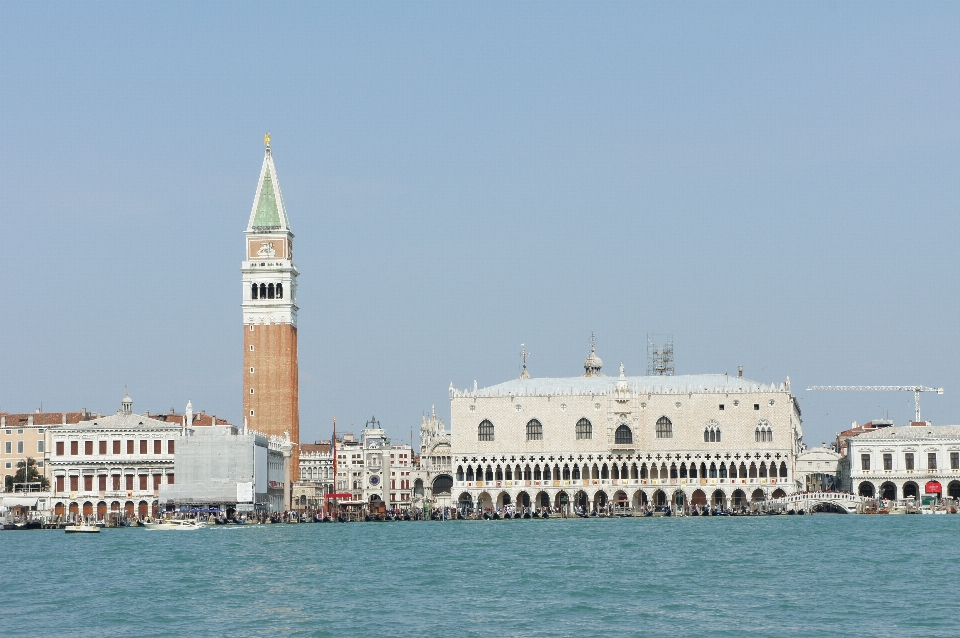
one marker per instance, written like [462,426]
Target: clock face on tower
[374,480]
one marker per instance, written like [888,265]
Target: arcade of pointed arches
[580,469]
[595,498]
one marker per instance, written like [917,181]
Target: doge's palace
[593,441]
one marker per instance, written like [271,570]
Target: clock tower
[270,369]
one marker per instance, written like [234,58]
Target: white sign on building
[245,492]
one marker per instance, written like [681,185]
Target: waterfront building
[906,461]
[111,464]
[270,368]
[25,436]
[433,473]
[316,475]
[632,441]
[373,469]
[223,468]
[818,469]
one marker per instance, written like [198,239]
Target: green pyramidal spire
[268,214]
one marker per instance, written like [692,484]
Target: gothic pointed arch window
[664,428]
[534,430]
[584,429]
[623,435]
[254,289]
[763,432]
[485,431]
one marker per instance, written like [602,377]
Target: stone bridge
[821,501]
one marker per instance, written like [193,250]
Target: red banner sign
[933,487]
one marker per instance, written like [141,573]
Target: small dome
[592,364]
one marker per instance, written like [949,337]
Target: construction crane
[916,389]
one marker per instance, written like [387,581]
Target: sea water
[841,575]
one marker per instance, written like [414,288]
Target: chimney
[30,420]
[3,421]
[64,418]
[739,372]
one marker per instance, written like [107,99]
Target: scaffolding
[659,355]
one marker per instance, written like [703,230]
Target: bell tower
[270,369]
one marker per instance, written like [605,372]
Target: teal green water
[770,576]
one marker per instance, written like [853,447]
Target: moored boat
[175,524]
[82,528]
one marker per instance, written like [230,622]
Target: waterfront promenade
[764,576]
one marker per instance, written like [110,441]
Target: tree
[27,473]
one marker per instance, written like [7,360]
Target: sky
[774,184]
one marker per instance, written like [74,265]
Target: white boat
[82,528]
[175,523]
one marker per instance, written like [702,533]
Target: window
[88,448]
[157,446]
[711,433]
[156,481]
[130,447]
[74,483]
[116,482]
[864,461]
[534,430]
[169,479]
[888,462]
[251,330]
[143,446]
[664,428]
[251,412]
[128,480]
[485,431]
[8,447]
[40,446]
[59,483]
[263,291]
[251,370]
[763,432]
[102,482]
[251,390]
[955,460]
[932,461]
[143,481]
[74,448]
[279,291]
[170,446]
[721,406]
[116,447]
[623,435]
[584,429]
[19,447]
[254,290]
[102,447]
[756,406]
[59,448]
[908,461]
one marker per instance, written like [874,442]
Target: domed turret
[592,364]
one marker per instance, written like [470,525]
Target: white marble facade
[590,440]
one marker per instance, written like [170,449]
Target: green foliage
[27,472]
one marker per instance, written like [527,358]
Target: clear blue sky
[774,183]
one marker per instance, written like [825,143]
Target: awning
[933,487]
[19,501]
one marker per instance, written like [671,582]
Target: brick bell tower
[271,402]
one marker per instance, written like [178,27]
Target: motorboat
[175,524]
[82,528]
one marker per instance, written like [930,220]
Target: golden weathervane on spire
[266,140]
